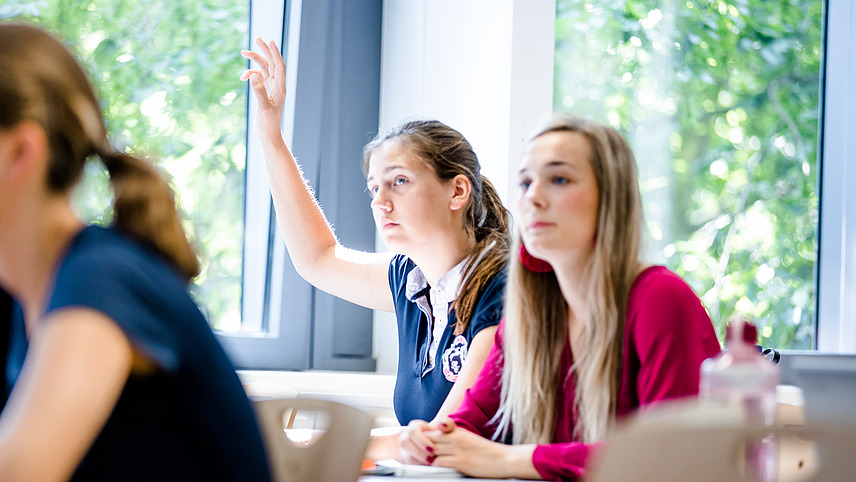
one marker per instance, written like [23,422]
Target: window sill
[365,390]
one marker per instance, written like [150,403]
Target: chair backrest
[334,457]
[268,391]
[710,451]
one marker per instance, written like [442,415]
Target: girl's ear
[24,149]
[462,193]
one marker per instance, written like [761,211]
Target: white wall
[484,67]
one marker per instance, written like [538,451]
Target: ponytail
[144,208]
[489,255]
[56,93]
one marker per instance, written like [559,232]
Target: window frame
[332,50]
[268,19]
[261,340]
[836,267]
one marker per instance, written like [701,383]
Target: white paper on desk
[426,471]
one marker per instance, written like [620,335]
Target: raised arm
[317,256]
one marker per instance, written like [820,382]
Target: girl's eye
[372,191]
[561,180]
[399,181]
[524,184]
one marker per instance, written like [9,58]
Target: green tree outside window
[720,100]
[168,77]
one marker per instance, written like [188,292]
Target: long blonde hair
[448,153]
[40,81]
[536,326]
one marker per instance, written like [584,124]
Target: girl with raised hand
[123,378]
[441,217]
[590,334]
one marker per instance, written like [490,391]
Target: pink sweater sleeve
[557,461]
[668,335]
[563,461]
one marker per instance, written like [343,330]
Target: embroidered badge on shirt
[453,358]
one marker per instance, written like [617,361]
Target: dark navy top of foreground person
[190,419]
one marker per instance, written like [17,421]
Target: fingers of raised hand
[270,62]
[267,52]
[258,59]
[274,61]
[250,72]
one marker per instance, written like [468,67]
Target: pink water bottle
[741,379]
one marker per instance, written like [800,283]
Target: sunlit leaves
[735,83]
[167,74]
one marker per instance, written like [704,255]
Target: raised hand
[268,85]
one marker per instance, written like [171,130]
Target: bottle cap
[747,331]
[750,333]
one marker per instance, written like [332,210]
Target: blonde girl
[591,333]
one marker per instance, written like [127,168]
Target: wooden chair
[258,391]
[334,457]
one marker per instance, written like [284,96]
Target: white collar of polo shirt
[437,311]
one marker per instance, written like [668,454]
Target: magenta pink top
[667,335]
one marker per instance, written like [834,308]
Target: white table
[387,478]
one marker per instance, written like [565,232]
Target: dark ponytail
[144,207]
[489,254]
[41,81]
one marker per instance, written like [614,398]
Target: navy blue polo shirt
[420,389]
[13,342]
[190,419]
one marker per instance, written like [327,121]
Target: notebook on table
[397,469]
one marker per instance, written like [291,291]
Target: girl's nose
[534,194]
[380,201]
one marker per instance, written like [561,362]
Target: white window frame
[286,323]
[264,250]
[267,22]
[836,272]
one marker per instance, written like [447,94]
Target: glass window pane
[720,101]
[168,77]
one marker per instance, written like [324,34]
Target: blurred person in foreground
[120,377]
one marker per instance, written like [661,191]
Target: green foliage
[720,100]
[167,74]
